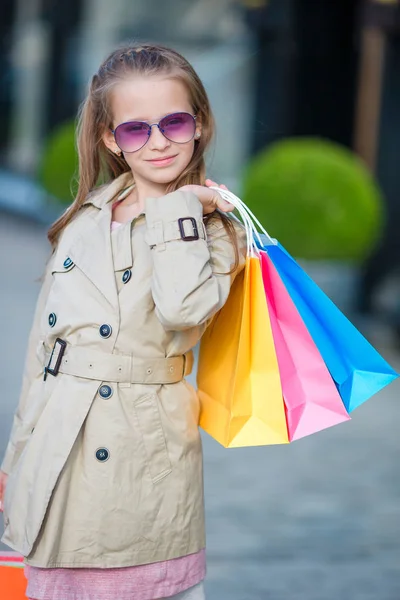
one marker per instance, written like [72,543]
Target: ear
[109,142]
[198,131]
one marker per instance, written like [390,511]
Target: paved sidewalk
[316,520]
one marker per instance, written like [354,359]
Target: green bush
[59,163]
[316,197]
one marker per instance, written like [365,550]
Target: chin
[165,175]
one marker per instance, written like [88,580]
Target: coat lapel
[91,252]
[91,248]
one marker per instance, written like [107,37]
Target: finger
[225,206]
[210,182]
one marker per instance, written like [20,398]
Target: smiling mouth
[161,159]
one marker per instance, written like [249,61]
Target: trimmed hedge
[316,197]
[59,163]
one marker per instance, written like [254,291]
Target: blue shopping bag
[358,370]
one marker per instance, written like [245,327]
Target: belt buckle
[184,366]
[56,355]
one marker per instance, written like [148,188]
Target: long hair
[97,162]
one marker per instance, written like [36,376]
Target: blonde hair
[97,162]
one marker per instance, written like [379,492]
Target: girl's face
[150,99]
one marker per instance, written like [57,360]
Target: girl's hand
[210,199]
[3,483]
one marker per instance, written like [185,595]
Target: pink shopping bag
[312,401]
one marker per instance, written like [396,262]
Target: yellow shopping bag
[238,377]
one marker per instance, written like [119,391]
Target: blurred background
[306,95]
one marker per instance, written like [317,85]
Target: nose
[157,139]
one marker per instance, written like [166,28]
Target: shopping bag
[238,378]
[312,402]
[358,370]
[12,579]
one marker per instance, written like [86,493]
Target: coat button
[102,454]
[126,276]
[67,263]
[52,319]
[105,391]
[105,330]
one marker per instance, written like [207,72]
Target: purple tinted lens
[179,127]
[131,136]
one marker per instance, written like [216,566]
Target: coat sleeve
[33,368]
[189,280]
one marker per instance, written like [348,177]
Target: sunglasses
[133,135]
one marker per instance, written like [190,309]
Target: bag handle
[250,221]
[250,229]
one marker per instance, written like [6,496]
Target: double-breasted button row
[52,319]
[102,454]
[106,391]
[105,330]
[126,276]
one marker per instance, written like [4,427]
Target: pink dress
[143,582]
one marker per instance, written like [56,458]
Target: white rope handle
[250,221]
[251,247]
[235,200]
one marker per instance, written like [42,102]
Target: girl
[103,473]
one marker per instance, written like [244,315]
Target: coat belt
[123,368]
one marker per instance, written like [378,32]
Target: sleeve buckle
[188,238]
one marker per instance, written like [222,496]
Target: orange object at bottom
[12,583]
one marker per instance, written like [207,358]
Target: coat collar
[102,195]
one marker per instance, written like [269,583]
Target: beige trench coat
[105,458]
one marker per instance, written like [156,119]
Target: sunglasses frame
[150,126]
